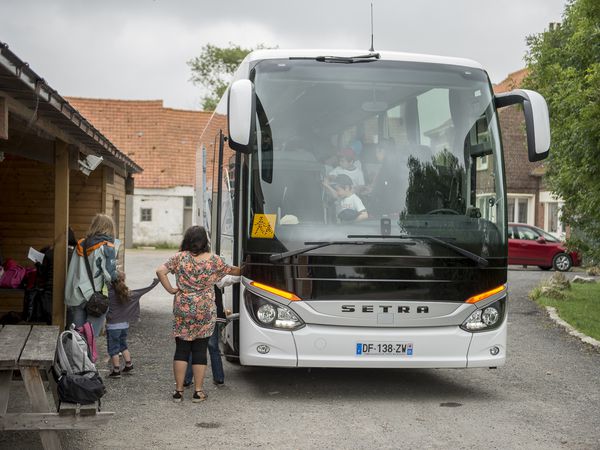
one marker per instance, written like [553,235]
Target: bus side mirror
[241,112]
[537,121]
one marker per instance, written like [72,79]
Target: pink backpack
[13,275]
[87,332]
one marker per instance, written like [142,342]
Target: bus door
[223,239]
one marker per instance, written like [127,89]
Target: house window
[520,209]
[188,202]
[553,222]
[109,174]
[146,215]
[482,163]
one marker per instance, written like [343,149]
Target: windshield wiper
[482,262]
[315,245]
[349,59]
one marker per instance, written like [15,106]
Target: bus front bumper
[335,346]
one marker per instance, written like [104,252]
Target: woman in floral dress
[196,271]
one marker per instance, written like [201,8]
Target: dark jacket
[129,311]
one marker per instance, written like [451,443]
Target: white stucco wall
[167,207]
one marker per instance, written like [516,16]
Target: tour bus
[364,195]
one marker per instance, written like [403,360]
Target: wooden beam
[5,382]
[52,421]
[104,187]
[29,146]
[39,404]
[61,227]
[3,118]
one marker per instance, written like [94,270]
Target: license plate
[384,348]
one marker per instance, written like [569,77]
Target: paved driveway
[547,396]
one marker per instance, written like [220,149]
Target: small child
[350,166]
[123,307]
[350,207]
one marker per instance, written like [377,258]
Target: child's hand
[173,291]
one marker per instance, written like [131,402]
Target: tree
[564,66]
[213,69]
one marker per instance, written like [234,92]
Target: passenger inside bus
[349,207]
[350,166]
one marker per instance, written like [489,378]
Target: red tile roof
[161,140]
[513,81]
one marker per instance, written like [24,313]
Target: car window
[549,237]
[512,233]
[528,234]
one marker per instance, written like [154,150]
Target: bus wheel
[562,262]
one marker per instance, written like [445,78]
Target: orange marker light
[279,292]
[486,294]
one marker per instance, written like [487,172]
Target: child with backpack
[123,307]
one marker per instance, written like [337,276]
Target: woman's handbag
[97,305]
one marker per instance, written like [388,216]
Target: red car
[529,245]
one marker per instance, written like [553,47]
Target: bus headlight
[268,314]
[487,318]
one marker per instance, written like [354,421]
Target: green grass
[581,308]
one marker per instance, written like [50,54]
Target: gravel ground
[547,396]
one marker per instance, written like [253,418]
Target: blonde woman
[100,249]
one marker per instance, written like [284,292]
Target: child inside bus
[349,207]
[349,166]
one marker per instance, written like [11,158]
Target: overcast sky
[137,49]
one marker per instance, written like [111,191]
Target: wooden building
[46,184]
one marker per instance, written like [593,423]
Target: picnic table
[30,349]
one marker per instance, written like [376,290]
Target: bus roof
[385,55]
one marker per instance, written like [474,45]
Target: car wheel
[562,262]
[545,267]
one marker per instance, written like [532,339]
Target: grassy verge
[580,308]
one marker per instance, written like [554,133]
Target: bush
[559,281]
[593,271]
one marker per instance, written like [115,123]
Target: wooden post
[39,404]
[3,118]
[61,233]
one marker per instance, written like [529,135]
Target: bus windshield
[375,148]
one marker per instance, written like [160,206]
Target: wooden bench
[30,350]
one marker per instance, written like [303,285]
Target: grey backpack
[72,354]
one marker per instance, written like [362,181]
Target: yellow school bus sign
[263,226]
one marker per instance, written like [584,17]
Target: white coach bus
[365,195]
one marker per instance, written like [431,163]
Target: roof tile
[161,140]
